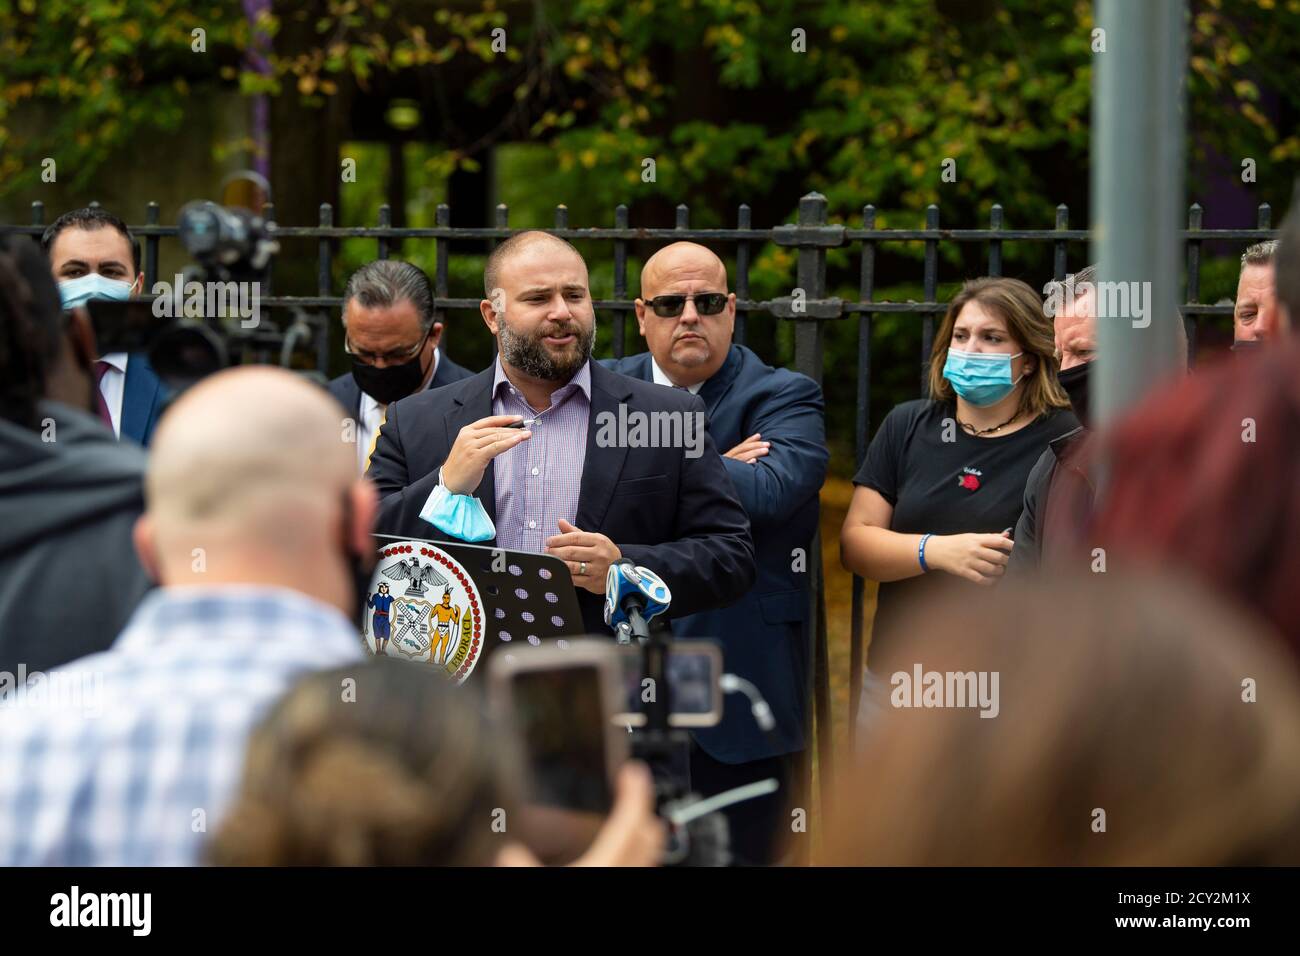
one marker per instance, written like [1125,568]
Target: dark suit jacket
[764,635]
[143,398]
[1057,468]
[675,515]
[345,388]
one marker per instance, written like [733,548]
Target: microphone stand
[701,839]
[658,735]
[699,835]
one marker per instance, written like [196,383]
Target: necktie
[101,368]
[383,417]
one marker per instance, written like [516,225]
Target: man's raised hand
[477,444]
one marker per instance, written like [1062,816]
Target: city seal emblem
[423,606]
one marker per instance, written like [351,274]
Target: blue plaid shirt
[129,757]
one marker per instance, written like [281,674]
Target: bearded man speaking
[568,483]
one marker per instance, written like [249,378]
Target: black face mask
[1246,346]
[387,385]
[1075,382]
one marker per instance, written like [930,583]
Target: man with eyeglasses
[771,422]
[392,338]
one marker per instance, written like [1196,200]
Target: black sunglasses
[671,306]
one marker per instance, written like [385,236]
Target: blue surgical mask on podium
[78,291]
[981,378]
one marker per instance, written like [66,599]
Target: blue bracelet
[920,553]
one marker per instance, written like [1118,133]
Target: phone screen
[563,724]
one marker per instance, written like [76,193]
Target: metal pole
[1137,194]
[866,293]
[809,343]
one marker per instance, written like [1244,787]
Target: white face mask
[78,291]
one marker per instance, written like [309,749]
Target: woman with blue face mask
[944,477]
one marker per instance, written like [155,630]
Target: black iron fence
[808,307]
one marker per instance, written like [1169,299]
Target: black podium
[450,604]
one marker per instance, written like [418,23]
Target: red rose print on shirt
[969,482]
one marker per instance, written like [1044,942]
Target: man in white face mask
[92,256]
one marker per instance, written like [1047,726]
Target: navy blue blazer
[143,399]
[764,635]
[345,388]
[676,515]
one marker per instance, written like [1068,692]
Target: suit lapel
[715,389]
[638,366]
[602,466]
[473,404]
[139,392]
[354,397]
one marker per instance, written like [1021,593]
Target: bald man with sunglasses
[770,420]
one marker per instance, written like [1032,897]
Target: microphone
[634,596]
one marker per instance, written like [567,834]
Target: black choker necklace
[978,432]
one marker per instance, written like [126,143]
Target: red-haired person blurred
[1206,476]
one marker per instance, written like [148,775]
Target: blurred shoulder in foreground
[1109,719]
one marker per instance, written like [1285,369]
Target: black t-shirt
[941,480]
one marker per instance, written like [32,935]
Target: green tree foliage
[882,92]
[735,101]
[91,75]
[863,100]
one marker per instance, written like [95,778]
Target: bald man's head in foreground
[685,312]
[251,482]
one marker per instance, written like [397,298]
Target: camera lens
[199,229]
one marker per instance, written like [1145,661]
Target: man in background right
[1059,493]
[1286,277]
[1253,313]
[1075,329]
